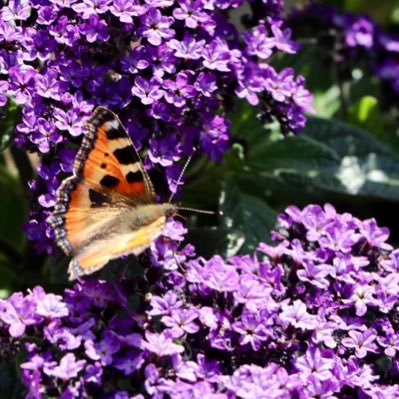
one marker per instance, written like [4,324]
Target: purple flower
[181,322]
[280,85]
[360,33]
[176,92]
[165,305]
[259,43]
[188,48]
[164,151]
[52,306]
[46,15]
[147,90]
[21,80]
[282,40]
[94,29]
[375,235]
[216,56]
[156,27]
[70,121]
[68,367]
[3,88]
[190,13]
[297,315]
[313,363]
[48,86]
[160,344]
[64,33]
[214,136]
[129,362]
[91,7]
[316,388]
[206,84]
[315,274]
[18,313]
[126,9]
[16,10]
[362,342]
[362,296]
[185,62]
[389,341]
[103,350]
[252,330]
[217,327]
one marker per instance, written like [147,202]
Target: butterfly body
[107,208]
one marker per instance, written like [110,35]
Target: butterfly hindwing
[100,252]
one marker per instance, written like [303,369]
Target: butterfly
[108,207]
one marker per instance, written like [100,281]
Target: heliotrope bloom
[251,326]
[171,70]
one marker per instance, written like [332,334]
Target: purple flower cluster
[314,316]
[171,70]
[353,40]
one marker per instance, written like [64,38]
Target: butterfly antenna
[183,171]
[220,213]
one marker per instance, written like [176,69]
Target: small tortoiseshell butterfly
[107,208]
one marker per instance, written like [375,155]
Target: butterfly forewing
[108,159]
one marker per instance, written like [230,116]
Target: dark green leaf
[245,125]
[293,153]
[367,167]
[14,208]
[246,213]
[215,240]
[8,276]
[7,125]
[10,385]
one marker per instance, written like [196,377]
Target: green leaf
[380,10]
[247,214]
[7,125]
[329,157]
[215,240]
[327,102]
[8,276]
[292,153]
[365,113]
[367,167]
[10,385]
[246,126]
[13,204]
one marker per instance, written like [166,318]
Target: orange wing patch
[103,167]
[84,214]
[108,159]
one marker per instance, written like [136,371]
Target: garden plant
[288,112]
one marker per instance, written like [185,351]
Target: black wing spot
[106,154]
[103,165]
[97,198]
[113,133]
[125,155]
[109,181]
[104,115]
[134,177]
